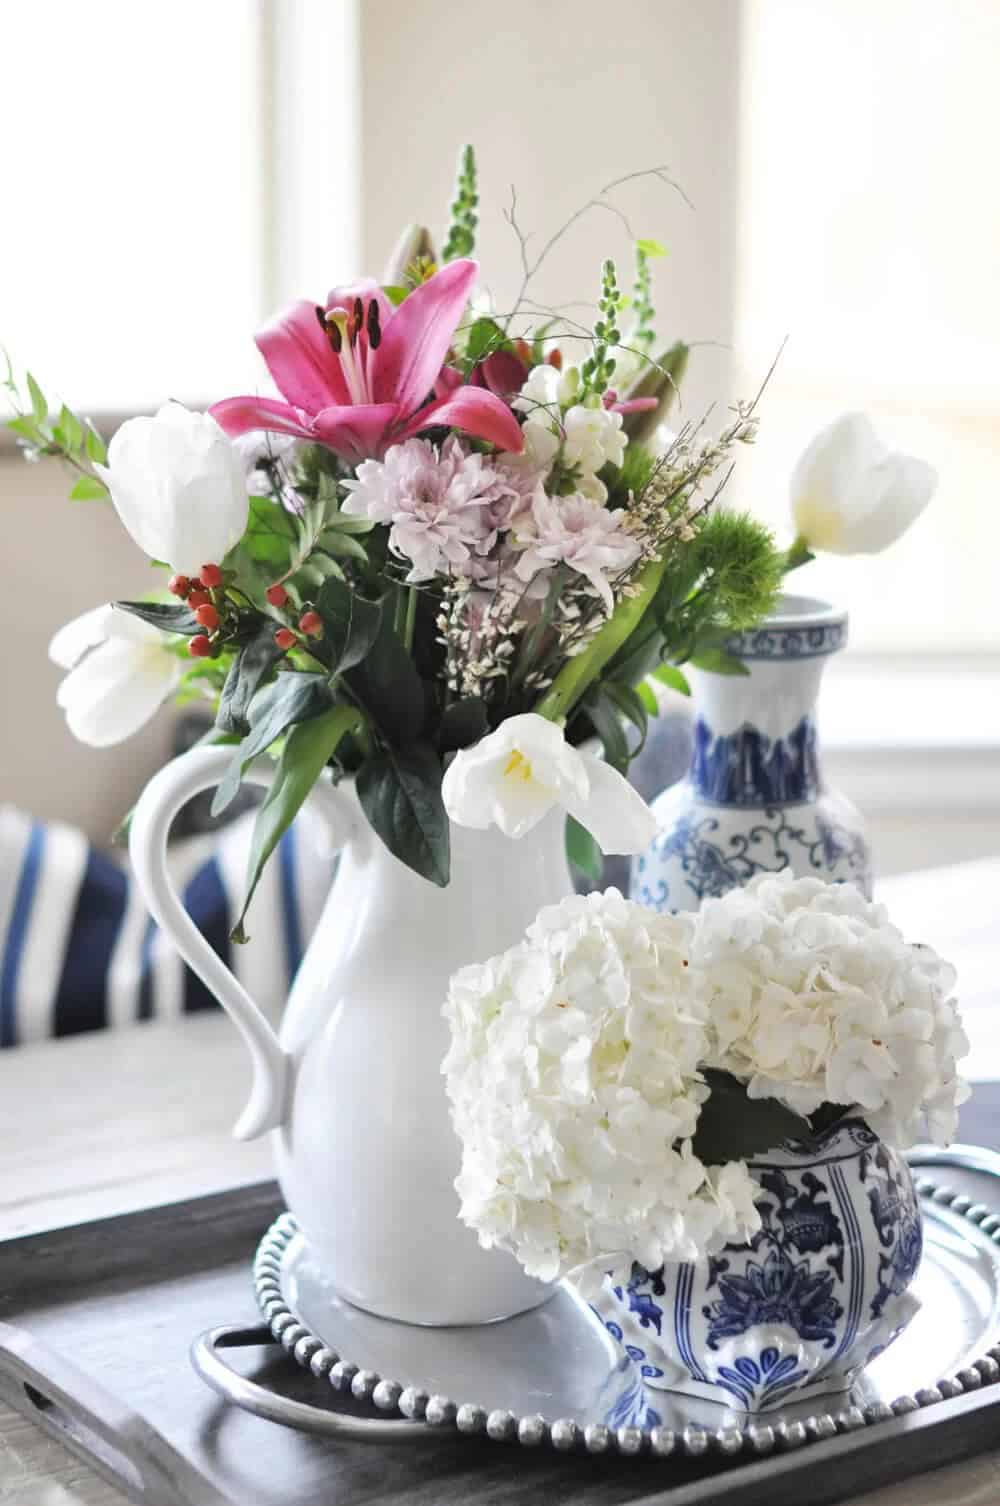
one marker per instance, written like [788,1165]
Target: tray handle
[73,1408]
[236,1388]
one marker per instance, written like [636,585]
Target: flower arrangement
[611,1075]
[457,536]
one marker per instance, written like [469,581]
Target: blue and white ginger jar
[821,1290]
[754,799]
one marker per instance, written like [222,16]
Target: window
[870,230]
[164,196]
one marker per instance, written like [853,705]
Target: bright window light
[870,232]
[130,269]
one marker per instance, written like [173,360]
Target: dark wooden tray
[98,1323]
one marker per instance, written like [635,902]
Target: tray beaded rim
[564,1434]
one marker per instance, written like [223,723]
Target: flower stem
[579,672]
[411,620]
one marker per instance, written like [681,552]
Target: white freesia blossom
[815,998]
[178,486]
[513,777]
[575,1090]
[547,391]
[851,495]
[593,437]
[121,672]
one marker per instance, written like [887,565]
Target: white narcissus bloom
[851,495]
[178,486]
[814,998]
[513,778]
[578,532]
[573,1075]
[121,672]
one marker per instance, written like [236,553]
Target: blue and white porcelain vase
[821,1290]
[754,799]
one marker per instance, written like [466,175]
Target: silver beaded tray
[553,1378]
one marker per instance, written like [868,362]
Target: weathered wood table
[111,1122]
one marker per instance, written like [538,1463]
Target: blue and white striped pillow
[78,950]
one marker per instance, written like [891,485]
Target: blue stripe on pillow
[17,930]
[290,902]
[206,900]
[73,909]
[81,1001]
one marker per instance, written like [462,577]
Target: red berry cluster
[310,622]
[208,605]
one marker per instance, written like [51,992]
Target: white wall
[560,97]
[60,558]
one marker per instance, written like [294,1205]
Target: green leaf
[94,445]
[648,699]
[39,406]
[25,428]
[400,793]
[291,699]
[387,685]
[395,294]
[732,1126]
[485,337]
[88,489]
[167,617]
[718,662]
[72,429]
[351,624]
[252,665]
[462,723]
[343,522]
[651,248]
[669,674]
[630,704]
[582,850]
[307,750]
[268,542]
[607,723]
[344,547]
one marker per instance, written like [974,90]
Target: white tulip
[178,486]
[121,672]
[851,495]
[513,777]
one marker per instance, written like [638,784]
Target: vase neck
[755,738]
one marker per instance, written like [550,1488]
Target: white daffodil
[851,495]
[121,672]
[178,486]
[513,777]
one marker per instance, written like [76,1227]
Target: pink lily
[360,376]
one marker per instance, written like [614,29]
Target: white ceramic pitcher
[352,1087]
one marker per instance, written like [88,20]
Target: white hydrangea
[815,998]
[573,1075]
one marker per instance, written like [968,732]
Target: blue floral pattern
[692,860]
[821,1286]
[789,642]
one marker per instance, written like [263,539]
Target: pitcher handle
[163,797]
